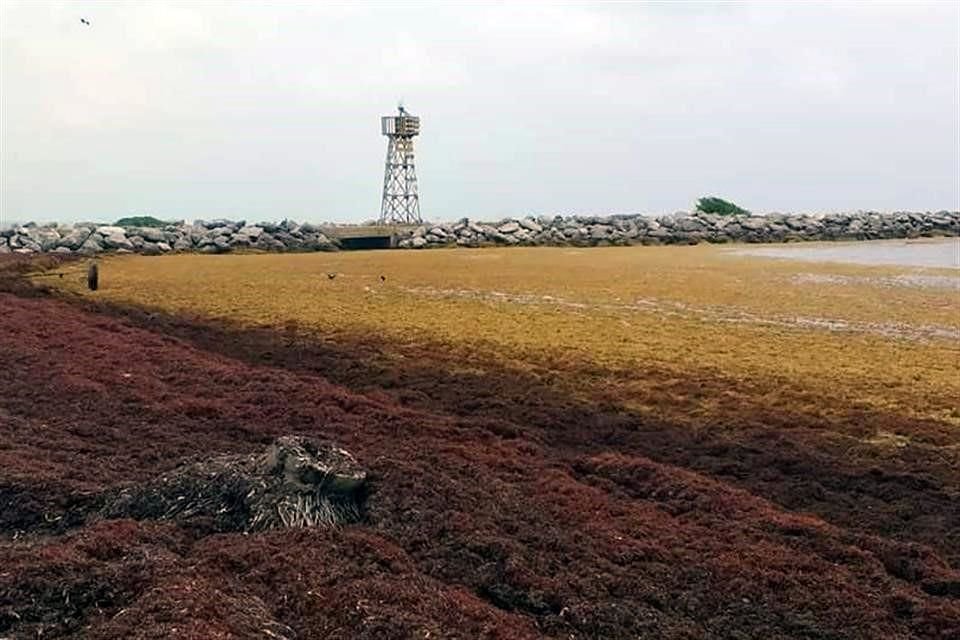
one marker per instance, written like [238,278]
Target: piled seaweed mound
[295,483]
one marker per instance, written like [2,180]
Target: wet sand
[939,253]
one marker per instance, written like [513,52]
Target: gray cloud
[268,111]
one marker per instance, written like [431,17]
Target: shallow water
[940,253]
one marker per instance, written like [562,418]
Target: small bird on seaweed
[332,275]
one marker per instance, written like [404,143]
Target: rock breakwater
[223,236]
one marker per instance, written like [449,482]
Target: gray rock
[600,231]
[118,241]
[27,244]
[268,243]
[75,239]
[318,242]
[418,242]
[289,241]
[183,243]
[109,231]
[753,223]
[150,234]
[47,238]
[531,225]
[797,223]
[690,224]
[92,244]
[253,232]
[198,235]
[509,227]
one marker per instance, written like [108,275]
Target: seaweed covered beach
[670,442]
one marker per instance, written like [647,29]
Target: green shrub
[712,204]
[140,221]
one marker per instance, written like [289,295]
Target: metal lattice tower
[401,203]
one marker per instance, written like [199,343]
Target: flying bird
[85,21]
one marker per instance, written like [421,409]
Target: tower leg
[401,202]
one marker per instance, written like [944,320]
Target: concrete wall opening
[366,242]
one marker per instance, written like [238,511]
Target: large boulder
[46,237]
[267,242]
[150,234]
[600,231]
[509,227]
[753,223]
[252,232]
[24,244]
[691,224]
[218,223]
[531,225]
[117,241]
[288,240]
[319,242]
[75,238]
[183,243]
[92,244]
[110,230]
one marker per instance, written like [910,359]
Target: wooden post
[93,276]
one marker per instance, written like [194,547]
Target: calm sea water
[941,253]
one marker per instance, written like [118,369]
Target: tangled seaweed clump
[295,483]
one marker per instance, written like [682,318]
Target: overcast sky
[271,110]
